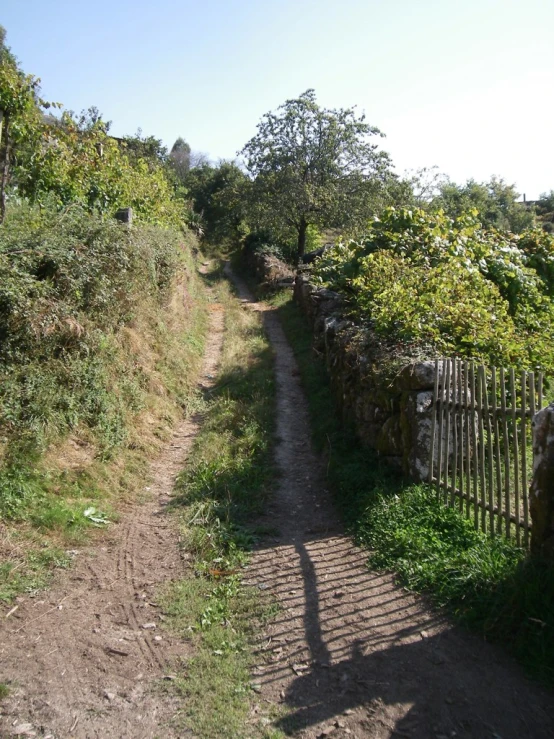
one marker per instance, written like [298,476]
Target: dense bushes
[74,160]
[421,277]
[68,282]
[101,325]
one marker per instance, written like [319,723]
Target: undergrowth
[219,494]
[487,584]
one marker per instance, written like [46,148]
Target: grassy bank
[487,584]
[102,334]
[219,495]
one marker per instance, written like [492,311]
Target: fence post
[541,501]
[124,215]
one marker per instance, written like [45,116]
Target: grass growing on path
[224,486]
[487,584]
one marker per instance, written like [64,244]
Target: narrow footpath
[351,653]
[85,656]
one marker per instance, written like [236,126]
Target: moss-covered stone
[389,441]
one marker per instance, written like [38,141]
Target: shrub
[68,282]
[420,277]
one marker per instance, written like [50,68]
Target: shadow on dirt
[396,664]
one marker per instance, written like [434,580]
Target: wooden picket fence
[481,450]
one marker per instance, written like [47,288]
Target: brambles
[422,277]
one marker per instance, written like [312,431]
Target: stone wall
[271,273]
[390,414]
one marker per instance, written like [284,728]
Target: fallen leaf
[97,517]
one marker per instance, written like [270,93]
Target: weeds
[29,573]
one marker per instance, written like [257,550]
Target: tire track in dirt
[83,657]
[352,654]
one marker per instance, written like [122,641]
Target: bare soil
[352,654]
[85,659]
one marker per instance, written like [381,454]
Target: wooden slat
[461,426]
[539,392]
[532,395]
[454,430]
[525,488]
[447,439]
[475,464]
[497,457]
[481,431]
[490,463]
[507,507]
[513,392]
[441,427]
[467,436]
[532,406]
[434,411]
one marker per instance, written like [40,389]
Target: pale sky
[467,86]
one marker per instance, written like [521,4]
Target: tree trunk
[302,228]
[5,171]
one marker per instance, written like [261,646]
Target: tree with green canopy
[314,166]
[179,158]
[496,202]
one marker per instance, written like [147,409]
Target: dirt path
[84,658]
[352,654]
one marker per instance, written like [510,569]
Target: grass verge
[219,495]
[487,584]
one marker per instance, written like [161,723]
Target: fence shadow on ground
[354,642]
